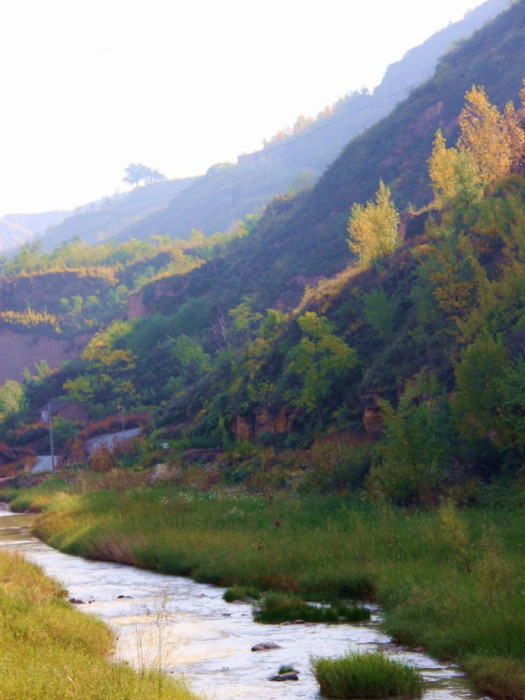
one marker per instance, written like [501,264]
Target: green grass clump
[282,607]
[50,651]
[240,593]
[286,668]
[368,675]
[36,499]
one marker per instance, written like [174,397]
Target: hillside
[277,334]
[293,159]
[52,303]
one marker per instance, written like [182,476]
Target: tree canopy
[137,173]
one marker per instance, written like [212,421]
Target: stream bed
[185,628]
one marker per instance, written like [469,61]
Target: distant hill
[16,229]
[99,221]
[291,160]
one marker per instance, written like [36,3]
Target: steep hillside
[301,239]
[396,149]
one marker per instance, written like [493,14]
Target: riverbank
[50,650]
[449,580]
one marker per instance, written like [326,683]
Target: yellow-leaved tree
[515,134]
[373,228]
[485,136]
[452,173]
[491,145]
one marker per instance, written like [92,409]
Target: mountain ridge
[228,192]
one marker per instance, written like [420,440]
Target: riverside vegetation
[449,579]
[48,649]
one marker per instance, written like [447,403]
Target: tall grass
[449,580]
[50,651]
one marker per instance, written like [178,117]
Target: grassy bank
[49,650]
[452,581]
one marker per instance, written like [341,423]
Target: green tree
[11,398]
[479,374]
[190,359]
[80,389]
[415,449]
[318,361]
[373,228]
[453,175]
[244,320]
[379,312]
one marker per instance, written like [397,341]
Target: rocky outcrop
[372,419]
[261,422]
[289,676]
[136,307]
[25,349]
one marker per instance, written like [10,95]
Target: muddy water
[186,628]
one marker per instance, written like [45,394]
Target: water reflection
[186,628]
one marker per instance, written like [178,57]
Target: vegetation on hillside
[78,287]
[426,331]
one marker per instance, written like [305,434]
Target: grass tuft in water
[368,675]
[282,607]
[286,668]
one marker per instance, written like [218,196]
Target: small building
[69,410]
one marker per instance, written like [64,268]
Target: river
[186,628]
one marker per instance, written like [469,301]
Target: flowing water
[186,628]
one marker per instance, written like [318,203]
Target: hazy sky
[90,86]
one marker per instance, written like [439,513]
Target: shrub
[337,467]
[368,675]
[497,675]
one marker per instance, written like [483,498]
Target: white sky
[89,86]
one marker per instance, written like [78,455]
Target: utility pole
[51,445]
[121,409]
